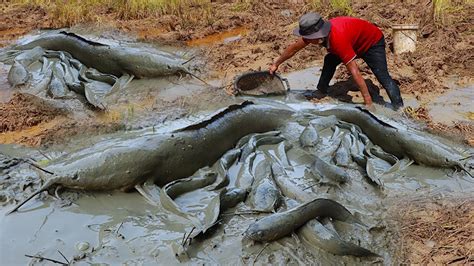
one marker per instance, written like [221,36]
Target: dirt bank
[23,111]
[460,131]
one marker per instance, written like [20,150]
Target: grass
[242,5]
[439,9]
[70,12]
[343,6]
[189,12]
[145,8]
[340,7]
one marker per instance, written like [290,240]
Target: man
[346,39]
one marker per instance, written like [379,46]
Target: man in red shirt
[346,39]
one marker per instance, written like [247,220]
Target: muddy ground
[436,81]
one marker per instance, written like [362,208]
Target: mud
[449,116]
[120,227]
[24,111]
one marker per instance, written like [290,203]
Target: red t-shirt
[351,37]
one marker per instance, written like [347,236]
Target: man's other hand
[272,69]
[370,107]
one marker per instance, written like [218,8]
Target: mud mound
[24,111]
[438,231]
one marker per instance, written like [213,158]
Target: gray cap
[312,26]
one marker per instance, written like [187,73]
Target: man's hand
[354,69]
[370,107]
[288,53]
[272,69]
[368,103]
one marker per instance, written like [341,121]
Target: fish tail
[358,251]
[355,250]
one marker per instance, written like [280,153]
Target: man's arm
[354,69]
[291,50]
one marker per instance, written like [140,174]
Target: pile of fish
[61,65]
[263,144]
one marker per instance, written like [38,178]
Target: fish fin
[296,238]
[375,117]
[149,193]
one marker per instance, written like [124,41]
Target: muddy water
[454,105]
[306,79]
[117,228]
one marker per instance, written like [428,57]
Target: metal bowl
[260,83]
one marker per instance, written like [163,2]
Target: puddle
[455,105]
[306,79]
[227,36]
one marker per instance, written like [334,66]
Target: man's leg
[376,59]
[329,67]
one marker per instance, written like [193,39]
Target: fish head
[253,234]
[239,193]
[176,68]
[259,231]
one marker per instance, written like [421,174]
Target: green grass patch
[340,7]
[70,12]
